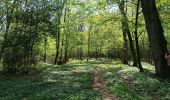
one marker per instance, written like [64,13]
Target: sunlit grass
[129,84]
[72,81]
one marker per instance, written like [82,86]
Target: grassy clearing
[72,81]
[129,84]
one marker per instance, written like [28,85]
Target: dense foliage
[56,30]
[84,49]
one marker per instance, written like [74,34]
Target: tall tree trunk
[81,49]
[66,37]
[126,30]
[57,42]
[61,51]
[60,12]
[62,42]
[136,38]
[66,49]
[132,48]
[125,49]
[156,37]
[88,44]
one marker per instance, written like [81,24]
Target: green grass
[129,84]
[72,81]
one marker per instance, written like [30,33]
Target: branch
[140,34]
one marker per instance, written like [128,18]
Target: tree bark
[126,30]
[88,44]
[136,38]
[156,37]
[125,49]
[66,49]
[81,49]
[57,42]
[60,12]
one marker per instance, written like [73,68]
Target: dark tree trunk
[57,42]
[132,49]
[156,37]
[88,44]
[61,61]
[137,40]
[66,38]
[66,50]
[126,30]
[81,49]
[125,49]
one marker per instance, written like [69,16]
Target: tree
[59,12]
[156,37]
[136,38]
[126,30]
[24,25]
[89,42]
[9,15]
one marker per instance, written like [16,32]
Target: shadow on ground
[130,84]
[66,82]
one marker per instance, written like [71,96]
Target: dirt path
[100,86]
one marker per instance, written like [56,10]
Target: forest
[84,50]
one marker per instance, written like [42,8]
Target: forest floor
[92,80]
[100,85]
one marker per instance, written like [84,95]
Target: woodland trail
[100,86]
